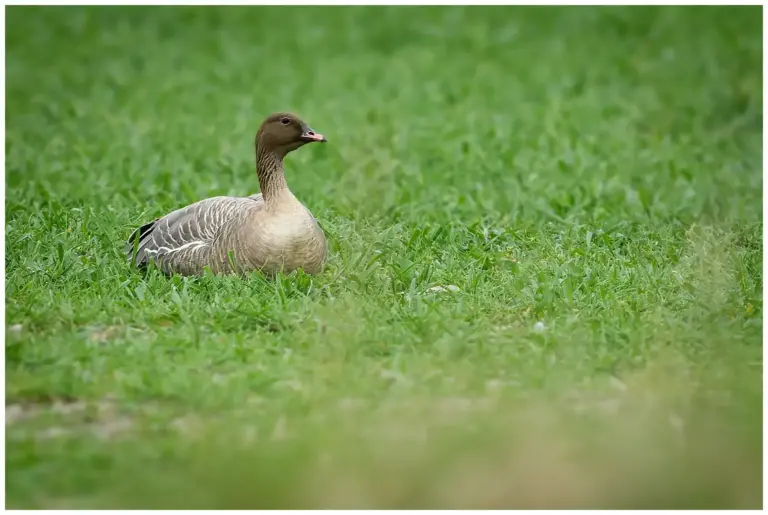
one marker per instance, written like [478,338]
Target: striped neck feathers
[269,168]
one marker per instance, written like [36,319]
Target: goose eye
[285,121]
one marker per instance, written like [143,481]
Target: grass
[589,179]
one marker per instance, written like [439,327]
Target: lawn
[545,275]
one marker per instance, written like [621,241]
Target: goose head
[285,132]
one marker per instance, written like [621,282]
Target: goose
[270,231]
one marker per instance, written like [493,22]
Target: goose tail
[132,246]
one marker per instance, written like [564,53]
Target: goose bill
[313,136]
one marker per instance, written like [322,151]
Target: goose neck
[269,168]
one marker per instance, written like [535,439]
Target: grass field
[587,180]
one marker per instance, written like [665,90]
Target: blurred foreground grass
[588,179]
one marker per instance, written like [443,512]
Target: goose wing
[182,240]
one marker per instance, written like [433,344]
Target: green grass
[589,178]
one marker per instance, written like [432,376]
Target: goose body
[270,231]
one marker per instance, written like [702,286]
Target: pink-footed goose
[269,231]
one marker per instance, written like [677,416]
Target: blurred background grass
[588,178]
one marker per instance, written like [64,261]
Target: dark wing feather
[139,234]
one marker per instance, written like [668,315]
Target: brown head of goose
[269,231]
